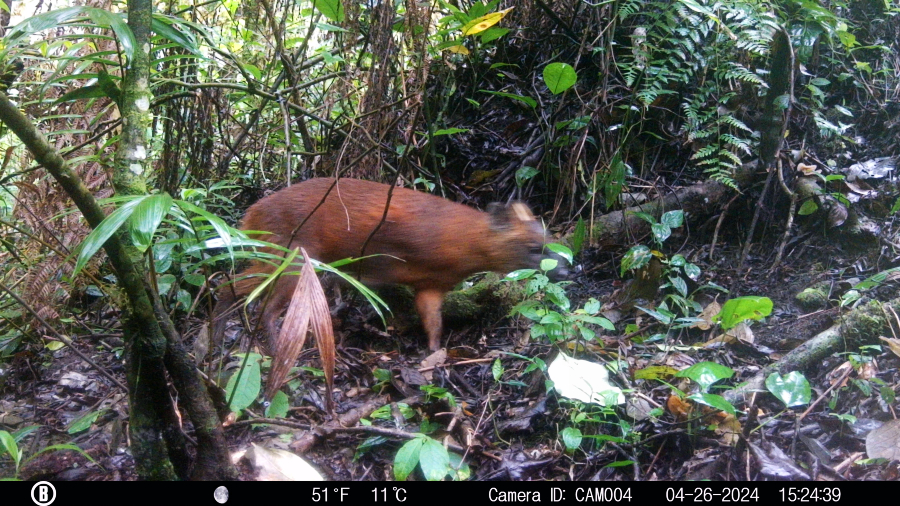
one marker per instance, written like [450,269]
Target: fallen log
[861,326]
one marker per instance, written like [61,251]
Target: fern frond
[737,143]
[734,122]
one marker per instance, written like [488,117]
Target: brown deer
[426,242]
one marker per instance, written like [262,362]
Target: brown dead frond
[308,307]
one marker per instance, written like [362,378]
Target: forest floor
[511,425]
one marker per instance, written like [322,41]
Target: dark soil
[512,426]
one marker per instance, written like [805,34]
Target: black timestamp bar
[518,493]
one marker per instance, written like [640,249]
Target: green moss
[868,322]
[814,297]
[490,297]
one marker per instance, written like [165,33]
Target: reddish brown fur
[440,242]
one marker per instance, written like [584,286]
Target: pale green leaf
[146,217]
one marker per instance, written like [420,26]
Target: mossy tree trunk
[153,345]
[157,440]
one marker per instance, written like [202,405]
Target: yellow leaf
[54,345]
[707,316]
[655,372]
[893,344]
[729,430]
[481,24]
[458,49]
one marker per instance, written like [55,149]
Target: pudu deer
[426,242]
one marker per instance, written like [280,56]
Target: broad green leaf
[244,385]
[887,394]
[253,70]
[551,317]
[782,102]
[680,285]
[701,9]
[586,333]
[521,274]
[792,389]
[850,297]
[644,216]
[459,470]
[279,406]
[493,33]
[808,207]
[673,219]
[663,316]
[327,27]
[736,310]
[714,401]
[166,26]
[558,296]
[98,237]
[434,460]
[524,174]
[601,321]
[184,299]
[529,309]
[382,375]
[115,21]
[482,23]
[637,257]
[706,373]
[164,283]
[561,250]
[497,369]
[9,444]
[84,422]
[661,232]
[572,438]
[450,131]
[38,23]
[332,9]
[526,100]
[559,77]
[24,431]
[407,458]
[195,279]
[692,271]
[83,93]
[146,218]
